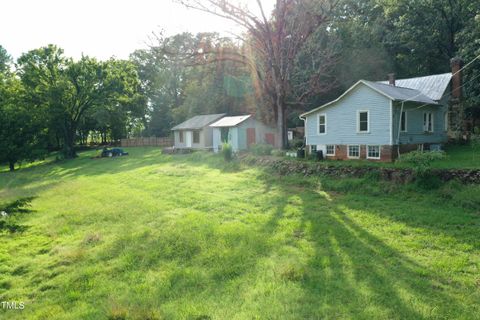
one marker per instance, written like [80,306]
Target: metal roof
[230,121]
[399,93]
[433,86]
[394,93]
[198,122]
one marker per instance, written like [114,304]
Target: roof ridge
[419,77]
[390,86]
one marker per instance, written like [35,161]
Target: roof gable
[198,122]
[394,93]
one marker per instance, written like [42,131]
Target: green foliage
[5,60]
[422,160]
[22,133]
[261,149]
[278,153]
[296,144]
[175,91]
[70,91]
[422,165]
[227,151]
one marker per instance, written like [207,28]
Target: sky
[101,28]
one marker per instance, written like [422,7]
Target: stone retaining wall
[286,166]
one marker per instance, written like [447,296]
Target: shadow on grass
[11,214]
[355,274]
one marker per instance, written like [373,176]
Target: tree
[22,136]
[68,89]
[272,47]
[179,84]
[5,60]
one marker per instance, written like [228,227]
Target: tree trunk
[11,165]
[69,147]
[281,120]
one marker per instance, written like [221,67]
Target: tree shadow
[12,213]
[353,273]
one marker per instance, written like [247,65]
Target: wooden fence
[144,142]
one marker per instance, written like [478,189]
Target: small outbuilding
[195,133]
[241,132]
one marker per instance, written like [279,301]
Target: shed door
[250,136]
[189,138]
[270,138]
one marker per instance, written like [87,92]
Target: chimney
[391,79]
[456,64]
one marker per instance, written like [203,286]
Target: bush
[227,151]
[295,144]
[422,162]
[261,149]
[278,153]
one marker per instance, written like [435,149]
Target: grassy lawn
[150,236]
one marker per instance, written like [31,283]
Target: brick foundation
[387,153]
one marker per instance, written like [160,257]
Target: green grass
[150,236]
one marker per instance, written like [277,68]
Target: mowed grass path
[150,236]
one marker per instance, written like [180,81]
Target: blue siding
[415,133]
[342,119]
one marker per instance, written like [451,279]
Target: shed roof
[198,122]
[433,86]
[230,121]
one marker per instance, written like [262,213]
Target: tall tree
[22,134]
[69,88]
[272,46]
[5,60]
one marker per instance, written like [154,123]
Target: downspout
[398,129]
[305,131]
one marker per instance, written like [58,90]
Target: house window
[403,122]
[322,123]
[363,123]
[180,136]
[354,151]
[373,152]
[330,149]
[196,136]
[428,121]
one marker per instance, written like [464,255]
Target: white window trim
[379,151]
[348,151]
[358,121]
[406,121]
[425,125]
[318,124]
[326,150]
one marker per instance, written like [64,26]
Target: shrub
[227,151]
[278,153]
[295,144]
[261,149]
[422,162]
